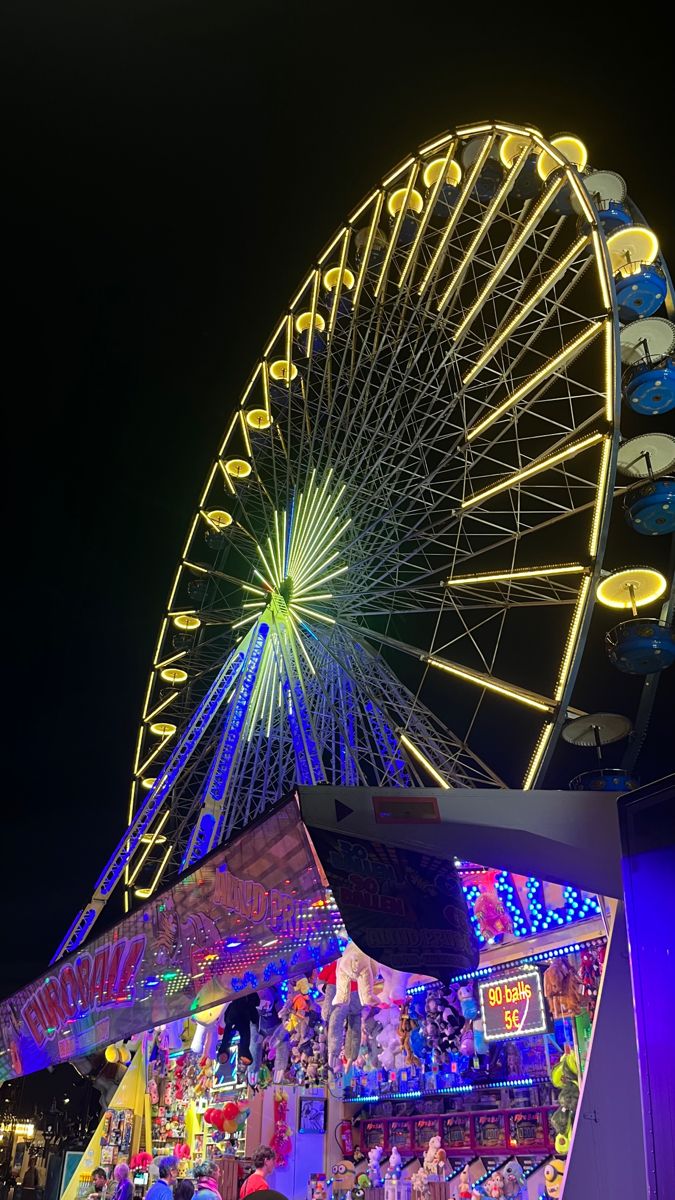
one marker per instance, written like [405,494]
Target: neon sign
[513,1006]
[100,980]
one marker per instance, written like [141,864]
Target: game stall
[242,1007]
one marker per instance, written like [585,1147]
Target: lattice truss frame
[419,472]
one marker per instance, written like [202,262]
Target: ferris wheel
[390,571]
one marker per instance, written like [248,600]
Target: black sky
[173,169]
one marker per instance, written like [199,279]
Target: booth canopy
[254,913]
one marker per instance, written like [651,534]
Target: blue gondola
[613,216]
[649,507]
[650,386]
[446,200]
[641,293]
[641,646]
[605,779]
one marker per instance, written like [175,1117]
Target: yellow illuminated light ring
[645,583]
[363,270]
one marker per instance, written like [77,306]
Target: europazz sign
[251,915]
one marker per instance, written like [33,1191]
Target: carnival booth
[393,1023]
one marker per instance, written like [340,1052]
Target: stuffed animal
[553,1178]
[394,986]
[394,1164]
[562,988]
[405,1027]
[374,1173]
[389,1041]
[493,919]
[514,1180]
[240,1014]
[494,1186]
[435,1157]
[468,1002]
[355,966]
[464,1185]
[279,1052]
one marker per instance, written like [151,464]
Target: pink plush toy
[494,1188]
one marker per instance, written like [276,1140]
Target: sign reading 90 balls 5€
[513,1006]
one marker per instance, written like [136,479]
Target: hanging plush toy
[355,966]
[240,1014]
[467,998]
[493,919]
[435,1158]
[562,988]
[405,1028]
[281,1138]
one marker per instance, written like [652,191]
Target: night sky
[173,168]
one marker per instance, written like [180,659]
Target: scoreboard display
[513,1006]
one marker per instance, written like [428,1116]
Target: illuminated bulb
[238,468]
[333,276]
[163,729]
[434,168]
[148,783]
[173,675]
[186,622]
[570,147]
[398,198]
[258,418]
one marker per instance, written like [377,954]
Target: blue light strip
[301,761]
[387,745]
[471,894]
[144,817]
[219,772]
[461,1089]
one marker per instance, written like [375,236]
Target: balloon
[230,1110]
[229,1126]
[112,1054]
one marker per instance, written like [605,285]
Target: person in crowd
[31,1179]
[125,1188]
[99,1178]
[184,1189]
[207,1184]
[168,1174]
[264,1161]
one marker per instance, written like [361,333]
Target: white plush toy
[374,1158]
[389,1039]
[355,966]
[435,1157]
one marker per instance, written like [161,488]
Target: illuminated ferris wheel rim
[358,494]
[434,163]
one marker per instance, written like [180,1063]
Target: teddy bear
[464,1185]
[494,1186]
[355,966]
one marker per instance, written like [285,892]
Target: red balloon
[218,1119]
[208,1116]
[231,1110]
